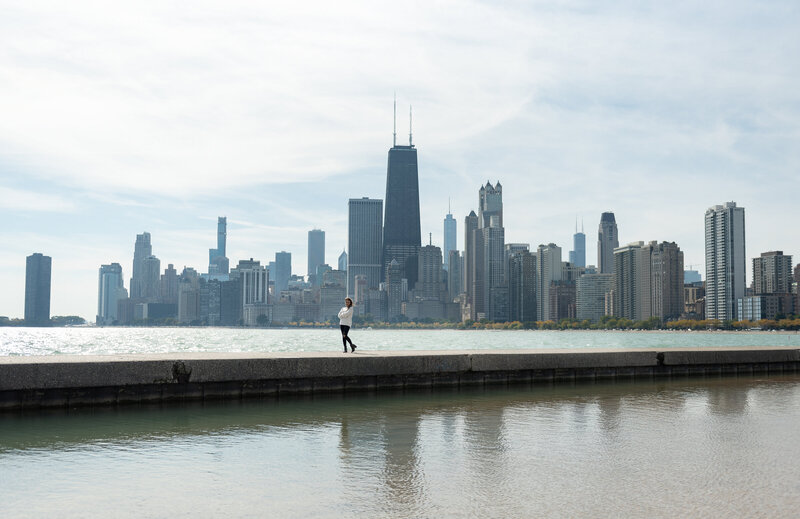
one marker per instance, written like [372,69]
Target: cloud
[26,200]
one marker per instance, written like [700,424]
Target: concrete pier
[66,381]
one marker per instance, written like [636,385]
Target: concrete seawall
[66,381]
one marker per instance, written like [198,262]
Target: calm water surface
[716,447]
[99,341]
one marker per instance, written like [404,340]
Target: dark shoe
[345,350]
[352,348]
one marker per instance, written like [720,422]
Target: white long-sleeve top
[346,316]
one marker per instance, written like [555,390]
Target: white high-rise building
[725,260]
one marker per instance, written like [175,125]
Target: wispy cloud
[26,200]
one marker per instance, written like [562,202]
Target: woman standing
[345,322]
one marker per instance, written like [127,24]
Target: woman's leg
[345,338]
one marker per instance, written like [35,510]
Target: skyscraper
[725,260]
[429,277]
[549,269]
[109,291]
[217,260]
[394,289]
[169,285]
[772,273]
[364,242]
[37,289]
[450,240]
[455,276]
[607,241]
[341,263]
[577,256]
[487,290]
[666,279]
[401,228]
[592,290]
[522,286]
[468,286]
[490,204]
[632,281]
[283,271]
[316,251]
[141,251]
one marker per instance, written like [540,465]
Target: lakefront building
[37,289]
[725,260]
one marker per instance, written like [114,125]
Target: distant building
[487,290]
[169,286]
[632,282]
[469,273]
[401,224]
[142,250]
[591,291]
[649,281]
[577,256]
[110,290]
[316,253]
[522,286]
[607,241]
[691,276]
[37,289]
[394,289]
[283,271]
[765,306]
[429,274]
[341,263]
[450,239]
[725,260]
[549,269]
[455,274]
[364,242]
[217,260]
[772,273]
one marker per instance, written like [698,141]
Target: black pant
[345,338]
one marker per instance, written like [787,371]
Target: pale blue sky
[160,117]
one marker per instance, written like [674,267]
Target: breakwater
[66,380]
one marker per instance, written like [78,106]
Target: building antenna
[576,224]
[581,223]
[409,125]
[448,205]
[430,238]
[394,124]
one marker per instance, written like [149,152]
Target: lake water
[99,341]
[715,447]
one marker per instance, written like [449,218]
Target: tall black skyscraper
[401,230]
[37,289]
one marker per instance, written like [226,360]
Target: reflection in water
[725,446]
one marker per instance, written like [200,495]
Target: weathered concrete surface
[52,381]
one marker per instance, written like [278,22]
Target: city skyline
[655,131]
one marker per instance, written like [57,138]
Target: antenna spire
[409,126]
[448,205]
[430,238]
[394,124]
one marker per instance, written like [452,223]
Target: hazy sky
[162,116]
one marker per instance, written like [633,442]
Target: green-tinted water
[693,448]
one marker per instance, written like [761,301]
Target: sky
[162,116]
